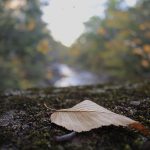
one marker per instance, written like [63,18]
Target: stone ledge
[25,122]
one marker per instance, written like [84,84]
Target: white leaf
[88,115]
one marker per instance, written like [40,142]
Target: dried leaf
[141,128]
[88,115]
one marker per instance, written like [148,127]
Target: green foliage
[24,44]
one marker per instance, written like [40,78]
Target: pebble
[135,103]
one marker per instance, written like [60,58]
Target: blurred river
[66,76]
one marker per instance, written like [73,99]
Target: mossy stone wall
[25,122]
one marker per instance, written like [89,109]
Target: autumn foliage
[118,43]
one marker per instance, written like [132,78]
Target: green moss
[30,126]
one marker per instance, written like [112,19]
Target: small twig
[51,109]
[65,137]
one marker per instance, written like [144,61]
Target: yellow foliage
[116,45]
[102,31]
[138,51]
[122,15]
[145,25]
[142,26]
[124,33]
[145,63]
[112,23]
[75,52]
[25,84]
[43,46]
[118,20]
[31,25]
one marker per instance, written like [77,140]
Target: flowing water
[67,76]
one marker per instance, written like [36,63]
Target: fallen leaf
[88,115]
[141,128]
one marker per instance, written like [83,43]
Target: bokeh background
[114,46]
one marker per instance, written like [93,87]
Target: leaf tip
[141,128]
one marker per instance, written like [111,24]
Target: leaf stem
[51,109]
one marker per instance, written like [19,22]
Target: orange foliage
[146,48]
[145,63]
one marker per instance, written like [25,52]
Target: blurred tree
[24,43]
[118,43]
[139,40]
[101,44]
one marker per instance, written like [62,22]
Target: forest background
[116,45]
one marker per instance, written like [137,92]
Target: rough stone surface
[25,122]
